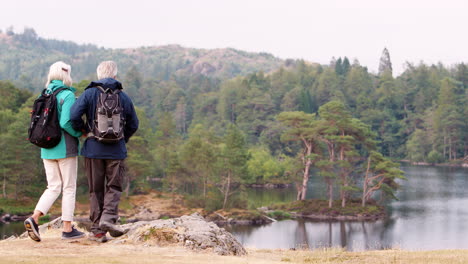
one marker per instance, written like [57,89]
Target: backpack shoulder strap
[100,88]
[108,90]
[56,92]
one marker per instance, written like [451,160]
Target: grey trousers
[105,180]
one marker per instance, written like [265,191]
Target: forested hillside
[215,120]
[26,57]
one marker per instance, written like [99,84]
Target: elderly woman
[60,162]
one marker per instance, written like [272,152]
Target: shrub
[279,215]
[435,157]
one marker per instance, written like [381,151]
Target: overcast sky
[314,30]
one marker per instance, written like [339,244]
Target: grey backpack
[109,121]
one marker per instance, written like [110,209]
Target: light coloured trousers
[61,175]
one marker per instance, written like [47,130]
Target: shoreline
[422,163]
[151,207]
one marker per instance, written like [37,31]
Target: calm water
[13,228]
[432,213]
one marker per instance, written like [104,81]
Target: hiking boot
[74,234]
[99,237]
[114,230]
[32,229]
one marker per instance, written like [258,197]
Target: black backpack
[108,121]
[44,130]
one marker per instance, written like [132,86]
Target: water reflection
[431,213]
[10,229]
[308,234]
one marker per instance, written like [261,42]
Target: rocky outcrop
[191,231]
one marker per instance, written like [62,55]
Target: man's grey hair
[60,71]
[107,69]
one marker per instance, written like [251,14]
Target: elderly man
[105,146]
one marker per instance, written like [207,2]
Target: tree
[328,88]
[174,174]
[141,163]
[233,162]
[385,64]
[381,174]
[7,160]
[418,146]
[300,127]
[450,121]
[199,155]
[345,66]
[262,167]
[24,162]
[166,141]
[133,83]
[342,134]
[357,85]
[180,116]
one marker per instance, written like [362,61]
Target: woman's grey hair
[107,69]
[60,71]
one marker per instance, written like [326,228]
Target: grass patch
[320,207]
[125,204]
[82,198]
[16,207]
[279,215]
[160,235]
[241,214]
[44,219]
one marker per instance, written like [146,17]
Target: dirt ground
[155,202]
[53,250]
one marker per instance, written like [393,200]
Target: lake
[432,213]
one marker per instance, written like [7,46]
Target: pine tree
[233,162]
[300,128]
[385,64]
[380,175]
[345,66]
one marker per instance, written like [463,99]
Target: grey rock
[191,231]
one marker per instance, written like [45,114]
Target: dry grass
[53,250]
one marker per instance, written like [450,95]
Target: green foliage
[418,146]
[262,167]
[16,207]
[279,215]
[381,175]
[233,162]
[315,206]
[434,157]
[12,98]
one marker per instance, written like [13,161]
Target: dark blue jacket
[86,104]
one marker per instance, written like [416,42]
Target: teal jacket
[68,146]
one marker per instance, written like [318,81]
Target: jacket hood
[107,83]
[56,84]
